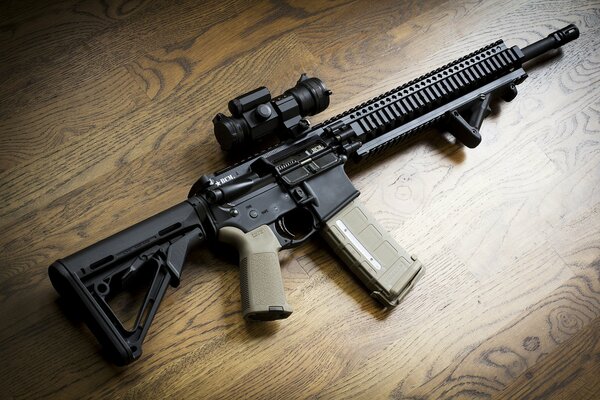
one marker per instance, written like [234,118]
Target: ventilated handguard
[372,254]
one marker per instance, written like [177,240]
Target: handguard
[261,284]
[372,254]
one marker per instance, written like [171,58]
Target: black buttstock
[87,279]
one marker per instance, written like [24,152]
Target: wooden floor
[105,119]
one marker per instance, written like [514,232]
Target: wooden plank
[486,369]
[568,373]
[59,46]
[40,130]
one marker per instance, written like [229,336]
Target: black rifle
[279,198]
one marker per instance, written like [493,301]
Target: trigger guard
[288,242]
[300,226]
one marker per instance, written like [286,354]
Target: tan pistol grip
[372,254]
[261,284]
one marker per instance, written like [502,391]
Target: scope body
[255,115]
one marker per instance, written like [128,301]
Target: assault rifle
[279,198]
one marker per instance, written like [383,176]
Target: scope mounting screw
[304,124]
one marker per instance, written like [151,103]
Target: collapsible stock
[90,277]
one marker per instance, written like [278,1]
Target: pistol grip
[385,268]
[261,284]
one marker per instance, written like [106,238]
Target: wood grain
[105,113]
[570,372]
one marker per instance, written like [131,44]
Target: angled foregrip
[263,297]
[385,268]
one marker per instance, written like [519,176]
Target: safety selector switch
[372,254]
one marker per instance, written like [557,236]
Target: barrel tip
[566,34]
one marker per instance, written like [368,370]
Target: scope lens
[311,94]
[230,132]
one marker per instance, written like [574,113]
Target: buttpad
[385,268]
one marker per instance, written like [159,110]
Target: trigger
[282,228]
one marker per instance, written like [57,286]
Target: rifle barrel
[552,41]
